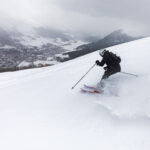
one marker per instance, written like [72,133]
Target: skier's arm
[100,63]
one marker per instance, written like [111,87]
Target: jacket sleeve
[102,62]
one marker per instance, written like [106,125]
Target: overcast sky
[83,16]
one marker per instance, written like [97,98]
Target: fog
[94,17]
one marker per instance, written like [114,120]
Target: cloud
[86,16]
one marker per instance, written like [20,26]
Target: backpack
[114,58]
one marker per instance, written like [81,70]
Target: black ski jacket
[109,60]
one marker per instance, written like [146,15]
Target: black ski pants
[110,71]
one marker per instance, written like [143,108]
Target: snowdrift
[38,109]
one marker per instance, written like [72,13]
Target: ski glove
[97,62]
[105,68]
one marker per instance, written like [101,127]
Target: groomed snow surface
[39,111]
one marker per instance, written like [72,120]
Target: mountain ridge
[25,50]
[114,38]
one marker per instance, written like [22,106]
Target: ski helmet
[102,52]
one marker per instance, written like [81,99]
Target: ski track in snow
[125,98]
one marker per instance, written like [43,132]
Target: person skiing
[112,62]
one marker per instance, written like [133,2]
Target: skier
[111,60]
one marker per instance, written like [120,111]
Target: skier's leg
[108,73]
[100,85]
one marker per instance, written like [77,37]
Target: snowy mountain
[38,109]
[37,37]
[43,36]
[114,38]
[23,49]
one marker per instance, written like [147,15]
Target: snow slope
[39,111]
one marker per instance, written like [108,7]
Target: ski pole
[129,74]
[84,76]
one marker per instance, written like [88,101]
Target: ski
[90,87]
[90,91]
